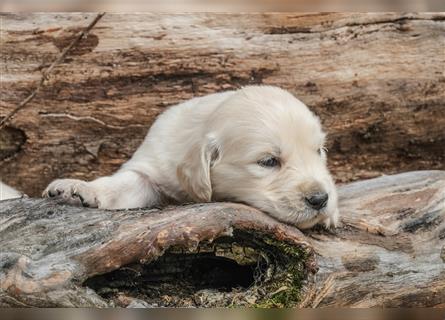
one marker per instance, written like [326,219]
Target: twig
[48,71]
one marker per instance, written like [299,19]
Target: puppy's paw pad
[71,191]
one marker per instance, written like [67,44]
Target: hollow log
[388,251]
[376,80]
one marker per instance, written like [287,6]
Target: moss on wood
[246,269]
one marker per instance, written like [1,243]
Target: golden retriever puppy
[258,145]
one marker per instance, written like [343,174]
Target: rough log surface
[389,251]
[376,80]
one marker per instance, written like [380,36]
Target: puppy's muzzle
[317,200]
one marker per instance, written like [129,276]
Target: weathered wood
[376,80]
[389,251]
[47,72]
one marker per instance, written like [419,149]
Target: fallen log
[388,251]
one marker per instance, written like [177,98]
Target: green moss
[276,271]
[284,290]
[277,285]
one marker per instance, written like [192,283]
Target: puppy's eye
[269,162]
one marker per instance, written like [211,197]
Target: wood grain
[376,80]
[388,251]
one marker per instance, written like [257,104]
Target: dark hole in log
[237,270]
[180,278]
[200,271]
[11,142]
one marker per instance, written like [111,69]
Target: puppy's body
[258,145]
[175,132]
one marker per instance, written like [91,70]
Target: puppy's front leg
[123,190]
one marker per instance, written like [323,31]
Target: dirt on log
[376,80]
[389,251]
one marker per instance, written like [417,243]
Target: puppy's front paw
[71,191]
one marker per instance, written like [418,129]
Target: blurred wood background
[376,80]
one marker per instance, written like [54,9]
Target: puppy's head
[264,147]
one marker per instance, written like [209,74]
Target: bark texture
[389,251]
[376,80]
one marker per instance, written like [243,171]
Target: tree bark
[376,81]
[389,251]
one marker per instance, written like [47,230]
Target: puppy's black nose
[317,200]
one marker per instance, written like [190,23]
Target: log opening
[242,269]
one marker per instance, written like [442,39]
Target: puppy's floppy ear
[194,170]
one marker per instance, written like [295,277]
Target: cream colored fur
[6,192]
[209,148]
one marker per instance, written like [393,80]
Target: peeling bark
[376,81]
[388,251]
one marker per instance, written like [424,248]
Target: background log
[389,251]
[376,80]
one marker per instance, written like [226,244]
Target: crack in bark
[303,30]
